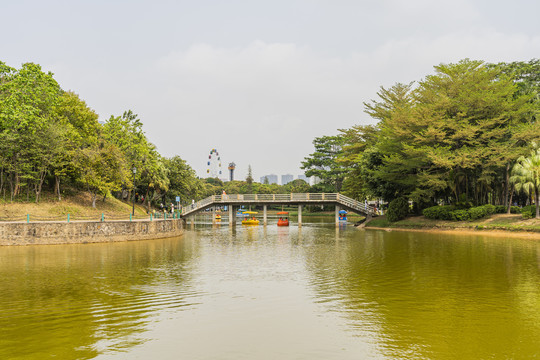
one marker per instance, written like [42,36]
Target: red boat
[283,221]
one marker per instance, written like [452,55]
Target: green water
[274,293]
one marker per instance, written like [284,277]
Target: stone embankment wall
[82,232]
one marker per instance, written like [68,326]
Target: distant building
[285,179]
[272,179]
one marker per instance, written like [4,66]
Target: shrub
[490,209]
[500,209]
[460,215]
[397,209]
[439,212]
[528,212]
[477,212]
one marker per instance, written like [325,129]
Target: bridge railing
[355,204]
[291,197]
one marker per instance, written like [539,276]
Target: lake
[315,292]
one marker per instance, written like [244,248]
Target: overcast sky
[257,80]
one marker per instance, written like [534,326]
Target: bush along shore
[448,217]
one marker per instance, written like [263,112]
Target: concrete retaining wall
[86,231]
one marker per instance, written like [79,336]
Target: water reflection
[435,296]
[315,292]
[69,301]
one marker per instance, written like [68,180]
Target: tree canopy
[453,135]
[49,136]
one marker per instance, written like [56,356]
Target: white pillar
[232,216]
[264,214]
[337,215]
[299,215]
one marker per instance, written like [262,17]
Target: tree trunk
[466,187]
[507,185]
[39,185]
[17,185]
[510,201]
[146,198]
[94,196]
[537,205]
[57,187]
[11,187]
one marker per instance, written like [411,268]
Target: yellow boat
[249,221]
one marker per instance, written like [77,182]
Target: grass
[78,206]
[512,222]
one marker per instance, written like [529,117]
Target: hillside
[78,206]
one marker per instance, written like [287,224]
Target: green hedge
[460,215]
[439,212]
[449,212]
[500,209]
[477,212]
[528,212]
[397,209]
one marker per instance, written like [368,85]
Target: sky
[256,80]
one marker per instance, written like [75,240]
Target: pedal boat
[249,221]
[283,221]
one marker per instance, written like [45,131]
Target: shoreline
[84,232]
[489,232]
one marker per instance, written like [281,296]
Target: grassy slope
[512,222]
[79,206]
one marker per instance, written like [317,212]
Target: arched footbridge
[234,201]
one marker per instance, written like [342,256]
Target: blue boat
[240,213]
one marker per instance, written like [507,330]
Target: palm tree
[526,175]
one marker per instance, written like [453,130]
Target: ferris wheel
[214,164]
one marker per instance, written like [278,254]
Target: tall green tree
[470,113]
[183,181]
[81,130]
[385,164]
[28,97]
[357,140]
[102,169]
[323,163]
[249,179]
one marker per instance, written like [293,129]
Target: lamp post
[134,189]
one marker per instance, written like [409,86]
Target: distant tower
[232,166]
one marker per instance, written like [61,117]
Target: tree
[27,101]
[323,162]
[471,115]
[357,140]
[81,129]
[183,181]
[379,159]
[296,186]
[526,175]
[249,179]
[102,169]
